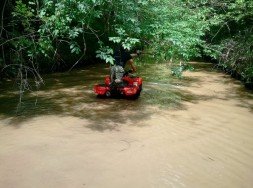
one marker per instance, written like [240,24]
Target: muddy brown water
[194,132]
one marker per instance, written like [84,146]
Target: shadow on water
[243,95]
[70,94]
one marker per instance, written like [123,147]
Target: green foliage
[105,53]
[170,34]
[177,32]
[23,14]
[177,70]
[44,33]
[232,38]
[237,56]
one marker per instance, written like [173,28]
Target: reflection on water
[71,94]
[193,132]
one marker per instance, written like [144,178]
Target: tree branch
[2,19]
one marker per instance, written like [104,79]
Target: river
[191,132]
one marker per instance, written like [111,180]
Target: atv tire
[108,94]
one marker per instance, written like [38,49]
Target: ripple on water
[194,132]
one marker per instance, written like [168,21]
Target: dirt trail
[206,143]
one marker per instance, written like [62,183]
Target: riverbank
[194,132]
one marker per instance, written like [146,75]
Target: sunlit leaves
[171,30]
[105,53]
[74,47]
[128,43]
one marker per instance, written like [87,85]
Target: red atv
[130,87]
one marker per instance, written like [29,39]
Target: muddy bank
[194,132]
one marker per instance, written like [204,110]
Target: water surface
[192,132]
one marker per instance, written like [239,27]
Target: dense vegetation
[49,35]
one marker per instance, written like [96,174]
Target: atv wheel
[140,87]
[108,94]
[136,96]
